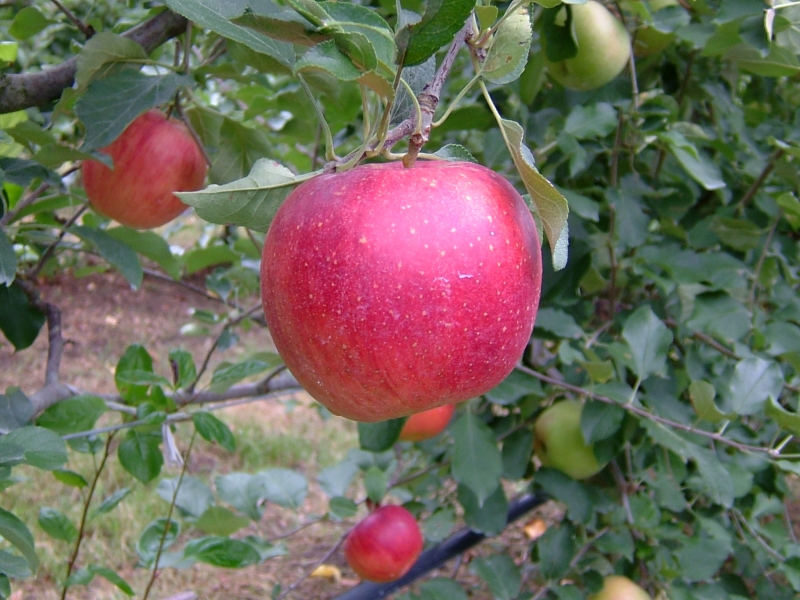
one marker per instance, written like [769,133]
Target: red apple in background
[390,290]
[154,157]
[385,545]
[426,424]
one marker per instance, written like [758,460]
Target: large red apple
[392,290]
[426,424]
[385,545]
[154,157]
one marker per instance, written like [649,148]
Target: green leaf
[551,207]
[8,260]
[649,341]
[193,496]
[327,57]
[183,367]
[281,486]
[213,430]
[564,488]
[699,167]
[27,23]
[780,62]
[239,148]
[41,447]
[110,104]
[110,503]
[514,387]
[558,38]
[439,525]
[456,153]
[488,517]
[241,491]
[112,577]
[438,588]
[280,23]
[8,51]
[375,484]
[555,549]
[754,380]
[17,534]
[72,415]
[380,436]
[23,172]
[477,463]
[150,540]
[135,358]
[140,455]
[500,573]
[218,520]
[57,525]
[508,53]
[790,421]
[592,121]
[20,321]
[70,478]
[421,37]
[216,15]
[102,51]
[201,258]
[222,552]
[701,557]
[739,234]
[702,393]
[15,411]
[118,254]
[151,245]
[13,566]
[141,378]
[342,508]
[225,375]
[517,451]
[251,202]
[600,420]
[335,480]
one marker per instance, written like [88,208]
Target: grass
[267,436]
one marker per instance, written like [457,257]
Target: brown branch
[25,90]
[85,29]
[753,189]
[55,347]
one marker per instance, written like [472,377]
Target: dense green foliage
[670,303]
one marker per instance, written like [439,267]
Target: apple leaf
[151,245]
[111,502]
[118,254]
[455,152]
[17,534]
[20,321]
[222,552]
[72,415]
[27,23]
[279,23]
[420,36]
[41,447]
[15,411]
[557,36]
[218,520]
[216,15]
[488,517]
[110,104]
[550,205]
[140,455]
[789,421]
[327,57]
[57,525]
[380,436]
[240,491]
[754,381]
[477,462]
[701,394]
[159,533]
[649,341]
[193,496]
[509,51]
[102,52]
[251,201]
[500,573]
[282,487]
[212,429]
[555,549]
[8,260]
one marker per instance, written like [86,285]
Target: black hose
[434,557]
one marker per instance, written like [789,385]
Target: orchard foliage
[668,200]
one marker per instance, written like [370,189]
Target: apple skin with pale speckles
[390,290]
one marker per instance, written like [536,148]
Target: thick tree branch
[25,90]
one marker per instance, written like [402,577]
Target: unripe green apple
[604,48]
[154,157]
[559,443]
[619,587]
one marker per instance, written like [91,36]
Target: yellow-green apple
[619,587]
[559,443]
[426,424]
[385,545]
[604,48]
[154,157]
[390,290]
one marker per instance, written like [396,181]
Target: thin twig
[24,203]
[85,29]
[87,502]
[52,247]
[640,412]
[163,539]
[760,264]
[756,185]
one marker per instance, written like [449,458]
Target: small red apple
[385,545]
[390,291]
[426,424]
[154,157]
